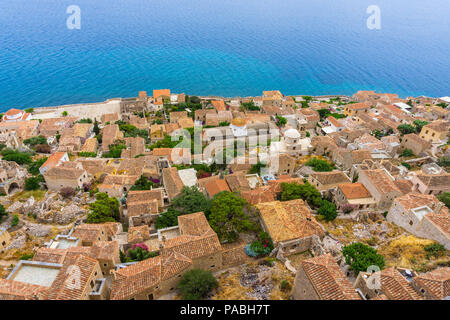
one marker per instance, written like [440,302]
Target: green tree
[406,128]
[191,200]
[35,140]
[281,121]
[33,183]
[256,168]
[64,113]
[360,256]
[407,153]
[419,124]
[33,167]
[327,210]
[16,156]
[445,198]
[104,209]
[96,129]
[196,284]
[3,212]
[307,192]
[167,219]
[227,216]
[320,165]
[15,220]
[115,150]
[143,183]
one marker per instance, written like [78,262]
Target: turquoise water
[226,47]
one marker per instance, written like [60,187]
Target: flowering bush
[260,247]
[143,246]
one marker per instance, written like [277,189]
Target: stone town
[172,196]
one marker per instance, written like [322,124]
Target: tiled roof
[328,280]
[289,220]
[396,287]
[161,92]
[62,288]
[436,282]
[216,186]
[381,180]
[332,177]
[90,145]
[436,181]
[237,182]
[172,182]
[194,224]
[354,191]
[53,160]
[219,105]
[64,173]
[50,255]
[275,185]
[16,290]
[259,195]
[439,126]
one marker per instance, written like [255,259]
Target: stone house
[143,207]
[157,132]
[116,185]
[63,176]
[321,278]
[54,160]
[290,224]
[430,183]
[53,126]
[325,181]
[381,186]
[282,164]
[135,147]
[90,233]
[433,285]
[177,115]
[356,108]
[391,282]
[110,133]
[422,215]
[212,186]
[435,132]
[415,143]
[172,182]
[109,118]
[197,246]
[5,239]
[354,194]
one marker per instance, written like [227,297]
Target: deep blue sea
[220,47]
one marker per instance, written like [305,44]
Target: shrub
[327,210]
[67,192]
[196,284]
[88,154]
[360,256]
[407,153]
[285,286]
[104,209]
[262,246]
[3,212]
[33,183]
[15,220]
[434,250]
[445,198]
[320,165]
[27,256]
[35,141]
[406,165]
[16,156]
[347,208]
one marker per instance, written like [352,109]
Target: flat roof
[35,272]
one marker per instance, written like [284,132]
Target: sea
[55,52]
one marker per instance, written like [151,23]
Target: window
[105,264]
[410,222]
[213,266]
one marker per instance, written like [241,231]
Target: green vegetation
[360,256]
[327,210]
[227,217]
[115,150]
[196,284]
[445,198]
[249,106]
[444,162]
[138,252]
[406,129]
[407,153]
[434,250]
[131,131]
[29,110]
[307,192]
[27,256]
[406,165]
[84,120]
[319,165]
[88,154]
[16,156]
[15,220]
[167,219]
[281,121]
[96,129]
[3,212]
[33,167]
[35,140]
[33,183]
[325,113]
[419,124]
[263,246]
[256,168]
[442,105]
[64,113]
[104,209]
[143,183]
[191,200]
